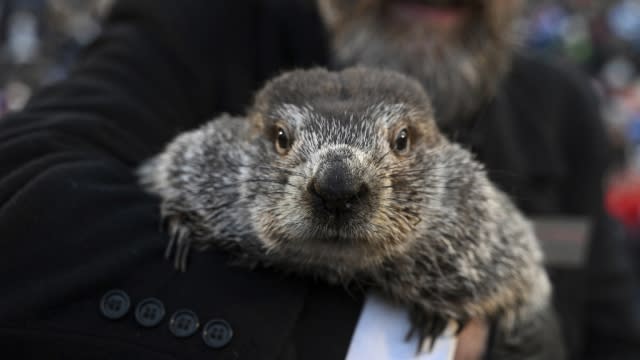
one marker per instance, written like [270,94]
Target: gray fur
[433,234]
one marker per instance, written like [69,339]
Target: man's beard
[460,71]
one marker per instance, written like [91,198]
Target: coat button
[217,333]
[114,304]
[183,323]
[149,312]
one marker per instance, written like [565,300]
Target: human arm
[74,223]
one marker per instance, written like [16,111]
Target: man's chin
[460,69]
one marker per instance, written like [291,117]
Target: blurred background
[601,38]
[39,40]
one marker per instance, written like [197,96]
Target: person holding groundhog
[83,272]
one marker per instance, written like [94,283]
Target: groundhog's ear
[256,126]
[425,125]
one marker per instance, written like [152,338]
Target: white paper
[380,335]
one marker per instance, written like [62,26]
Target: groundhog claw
[179,238]
[427,326]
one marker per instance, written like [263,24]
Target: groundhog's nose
[336,189]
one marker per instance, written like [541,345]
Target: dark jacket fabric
[74,224]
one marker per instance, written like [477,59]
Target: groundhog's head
[343,181]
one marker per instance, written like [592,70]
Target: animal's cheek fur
[279,214]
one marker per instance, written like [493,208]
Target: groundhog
[344,176]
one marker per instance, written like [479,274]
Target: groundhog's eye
[283,142]
[401,144]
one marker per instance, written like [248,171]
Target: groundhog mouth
[343,252]
[360,232]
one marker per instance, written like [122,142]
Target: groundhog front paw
[429,325]
[179,239]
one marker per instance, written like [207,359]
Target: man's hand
[472,341]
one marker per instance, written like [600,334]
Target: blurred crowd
[39,39]
[603,39]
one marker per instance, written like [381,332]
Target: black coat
[74,224]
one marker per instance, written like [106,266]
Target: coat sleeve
[74,223]
[69,200]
